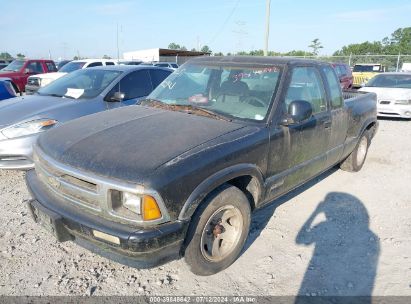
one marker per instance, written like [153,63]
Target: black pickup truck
[181,174]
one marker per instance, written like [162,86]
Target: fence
[392,62]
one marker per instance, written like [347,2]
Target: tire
[218,231]
[355,161]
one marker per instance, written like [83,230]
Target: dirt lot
[341,234]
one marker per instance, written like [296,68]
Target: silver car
[77,94]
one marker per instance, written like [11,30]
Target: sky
[64,29]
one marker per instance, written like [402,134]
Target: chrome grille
[33,81]
[70,187]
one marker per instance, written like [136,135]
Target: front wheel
[355,161]
[218,231]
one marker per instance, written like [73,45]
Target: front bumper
[17,153]
[135,247]
[400,111]
[31,89]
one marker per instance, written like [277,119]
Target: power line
[225,23]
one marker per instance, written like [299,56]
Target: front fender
[216,180]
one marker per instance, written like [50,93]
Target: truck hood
[131,142]
[53,76]
[389,94]
[24,108]
[8,73]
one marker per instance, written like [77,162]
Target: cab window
[35,67]
[306,84]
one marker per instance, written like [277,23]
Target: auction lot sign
[205,299]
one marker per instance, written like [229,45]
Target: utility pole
[267,26]
[118,49]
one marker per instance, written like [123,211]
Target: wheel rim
[362,150]
[221,233]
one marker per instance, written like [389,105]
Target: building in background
[158,54]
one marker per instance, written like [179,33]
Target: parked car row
[40,80]
[82,92]
[30,75]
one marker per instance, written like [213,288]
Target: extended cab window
[109,63]
[51,67]
[134,85]
[335,89]
[306,84]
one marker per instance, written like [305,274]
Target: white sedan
[393,94]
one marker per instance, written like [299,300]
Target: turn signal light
[151,211]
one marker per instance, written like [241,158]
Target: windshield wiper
[53,95]
[206,111]
[190,109]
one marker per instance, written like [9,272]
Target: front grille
[358,80]
[33,82]
[64,184]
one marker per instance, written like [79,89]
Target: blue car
[82,92]
[6,89]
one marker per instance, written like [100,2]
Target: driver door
[298,150]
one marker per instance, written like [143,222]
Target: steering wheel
[255,101]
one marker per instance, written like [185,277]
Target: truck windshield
[72,66]
[15,66]
[238,91]
[390,81]
[366,68]
[81,84]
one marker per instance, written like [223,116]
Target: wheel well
[249,185]
[372,127]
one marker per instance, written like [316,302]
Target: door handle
[327,124]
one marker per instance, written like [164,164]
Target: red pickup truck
[19,70]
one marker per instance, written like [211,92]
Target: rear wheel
[218,231]
[355,161]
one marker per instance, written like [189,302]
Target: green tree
[315,46]
[106,57]
[206,49]
[5,55]
[218,54]
[20,56]
[298,53]
[174,46]
[399,42]
[193,50]
[364,48]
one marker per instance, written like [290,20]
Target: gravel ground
[342,234]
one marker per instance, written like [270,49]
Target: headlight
[403,102]
[27,128]
[135,206]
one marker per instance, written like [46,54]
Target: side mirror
[27,71]
[298,110]
[117,97]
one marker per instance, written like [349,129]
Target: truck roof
[254,59]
